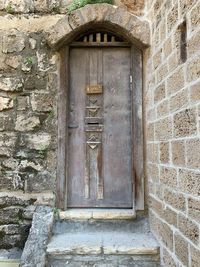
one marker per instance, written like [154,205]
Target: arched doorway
[131,34]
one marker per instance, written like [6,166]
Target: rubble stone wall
[172,103]
[29,83]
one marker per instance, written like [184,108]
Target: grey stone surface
[116,243]
[34,253]
[104,261]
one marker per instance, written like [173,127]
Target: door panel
[99,166]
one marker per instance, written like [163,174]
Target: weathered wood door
[99,128]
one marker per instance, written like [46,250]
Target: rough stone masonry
[28,120]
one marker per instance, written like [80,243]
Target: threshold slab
[98,214]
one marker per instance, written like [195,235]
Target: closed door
[99,148]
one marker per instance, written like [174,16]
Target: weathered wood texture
[62,130]
[138,153]
[100,176]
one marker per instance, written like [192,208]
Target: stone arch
[113,18]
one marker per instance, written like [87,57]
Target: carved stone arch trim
[136,29]
[59,37]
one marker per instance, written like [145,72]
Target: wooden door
[99,141]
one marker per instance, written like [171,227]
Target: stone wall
[172,102]
[28,112]
[28,135]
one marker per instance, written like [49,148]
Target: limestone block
[10,241]
[13,61]
[161,73]
[195,256]
[181,249]
[11,163]
[179,101]
[167,49]
[168,259]
[173,60]
[166,234]
[5,151]
[195,16]
[163,129]
[153,153]
[176,200]
[28,212]
[153,172]
[195,93]
[41,102]
[194,209]
[13,41]
[159,93]
[163,108]
[24,123]
[164,152]
[39,141]
[185,123]
[10,229]
[193,69]
[172,18]
[193,153]
[30,164]
[188,228]
[178,152]
[135,7]
[20,6]
[9,199]
[32,43]
[157,59]
[176,81]
[40,181]
[22,102]
[156,205]
[10,215]
[41,5]
[189,182]
[150,132]
[8,139]
[5,103]
[11,84]
[169,216]
[168,176]
[193,44]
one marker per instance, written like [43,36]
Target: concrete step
[140,225]
[103,243]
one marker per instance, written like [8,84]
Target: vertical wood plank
[61,184]
[85,39]
[112,39]
[138,154]
[105,38]
[91,38]
[98,37]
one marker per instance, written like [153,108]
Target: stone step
[103,243]
[98,214]
[140,225]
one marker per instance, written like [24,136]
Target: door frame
[137,128]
